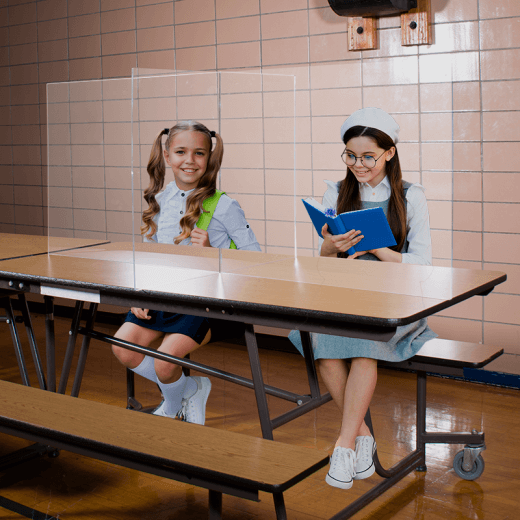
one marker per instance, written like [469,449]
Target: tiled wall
[457,101]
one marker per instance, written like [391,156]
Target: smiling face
[361,146]
[188,158]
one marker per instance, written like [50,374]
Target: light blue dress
[405,343]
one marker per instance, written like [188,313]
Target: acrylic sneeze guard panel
[90,191]
[254,114]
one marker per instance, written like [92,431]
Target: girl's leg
[134,334]
[188,393]
[352,394]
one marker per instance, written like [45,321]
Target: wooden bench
[218,460]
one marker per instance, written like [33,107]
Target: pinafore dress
[406,342]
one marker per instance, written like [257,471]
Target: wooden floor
[74,487]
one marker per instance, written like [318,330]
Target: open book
[371,222]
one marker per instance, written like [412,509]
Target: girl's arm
[419,238]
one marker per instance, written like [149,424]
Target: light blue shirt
[228,222]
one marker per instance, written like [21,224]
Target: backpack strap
[209,206]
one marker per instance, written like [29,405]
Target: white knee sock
[191,387]
[172,393]
[146,369]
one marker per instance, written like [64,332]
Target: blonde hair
[157,168]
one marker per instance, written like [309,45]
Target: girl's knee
[167,372]
[127,357]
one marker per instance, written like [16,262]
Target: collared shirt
[417,216]
[228,222]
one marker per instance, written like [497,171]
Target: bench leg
[215,505]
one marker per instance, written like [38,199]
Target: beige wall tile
[502,9]
[238,55]
[88,198]
[500,34]
[501,247]
[435,156]
[501,95]
[466,95]
[273,6]
[50,9]
[156,59]
[153,39]
[53,50]
[456,329]
[471,309]
[226,9]
[334,101]
[201,58]
[467,186]
[326,21]
[467,246]
[436,97]
[118,66]
[27,134]
[24,74]
[500,126]
[502,335]
[120,20]
[84,7]
[243,156]
[512,284]
[284,25]
[467,216]
[454,37]
[500,64]
[438,185]
[437,127]
[235,30]
[195,35]
[285,51]
[19,14]
[194,11]
[440,68]
[86,155]
[466,156]
[85,47]
[393,98]
[440,214]
[501,187]
[449,11]
[120,42]
[24,95]
[501,217]
[28,215]
[497,156]
[54,30]
[502,308]
[84,25]
[242,181]
[466,126]
[89,220]
[20,34]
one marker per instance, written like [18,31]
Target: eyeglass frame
[360,157]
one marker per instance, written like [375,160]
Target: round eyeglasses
[368,161]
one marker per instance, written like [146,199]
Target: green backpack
[209,205]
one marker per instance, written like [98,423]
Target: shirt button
[182,212]
[183,194]
[247,226]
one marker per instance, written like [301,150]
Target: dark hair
[349,199]
[157,168]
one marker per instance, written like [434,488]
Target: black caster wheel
[474,472]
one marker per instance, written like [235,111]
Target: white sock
[172,393]
[191,387]
[146,369]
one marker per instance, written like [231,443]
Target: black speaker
[371,7]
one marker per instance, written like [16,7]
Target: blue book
[371,222]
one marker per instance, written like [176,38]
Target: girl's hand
[384,254]
[142,314]
[200,238]
[334,244]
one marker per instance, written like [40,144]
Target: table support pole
[71,344]
[50,343]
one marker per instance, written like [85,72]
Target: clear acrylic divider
[160,99]
[89,179]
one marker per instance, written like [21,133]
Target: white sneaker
[193,409]
[365,449]
[160,411]
[341,472]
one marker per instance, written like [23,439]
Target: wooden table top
[18,246]
[249,458]
[374,290]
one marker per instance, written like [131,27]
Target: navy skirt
[196,327]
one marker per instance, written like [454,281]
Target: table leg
[32,340]
[71,345]
[50,343]
[84,351]
[10,319]
[215,505]
[258,380]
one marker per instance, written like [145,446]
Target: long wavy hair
[157,168]
[349,198]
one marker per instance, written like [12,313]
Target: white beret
[373,118]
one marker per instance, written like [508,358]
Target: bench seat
[219,460]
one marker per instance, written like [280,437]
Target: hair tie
[166,131]
[212,133]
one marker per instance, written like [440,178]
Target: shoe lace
[183,412]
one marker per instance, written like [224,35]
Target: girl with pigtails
[171,218]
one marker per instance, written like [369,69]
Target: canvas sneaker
[160,411]
[365,449]
[341,472]
[193,409]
